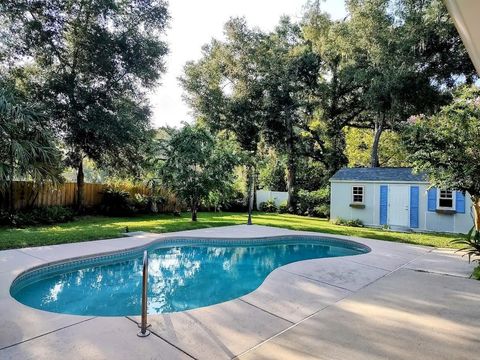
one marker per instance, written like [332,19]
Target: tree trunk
[251,192]
[476,211]
[11,195]
[291,177]
[291,169]
[376,141]
[80,186]
[194,209]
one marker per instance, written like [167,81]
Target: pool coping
[379,251]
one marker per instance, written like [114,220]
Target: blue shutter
[383,204]
[432,199]
[460,202]
[414,197]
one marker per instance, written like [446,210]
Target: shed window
[445,199]
[357,194]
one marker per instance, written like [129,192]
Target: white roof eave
[465,15]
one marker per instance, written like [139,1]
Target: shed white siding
[341,200]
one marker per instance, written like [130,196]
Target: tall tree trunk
[251,192]
[194,203]
[291,179]
[194,210]
[291,168]
[476,211]
[335,157]
[376,142]
[11,191]
[80,185]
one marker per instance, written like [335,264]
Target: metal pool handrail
[143,324]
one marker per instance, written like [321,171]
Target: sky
[194,23]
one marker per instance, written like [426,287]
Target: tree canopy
[446,146]
[299,87]
[93,62]
[196,165]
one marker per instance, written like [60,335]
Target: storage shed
[399,199]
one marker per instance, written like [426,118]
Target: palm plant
[27,148]
[472,245]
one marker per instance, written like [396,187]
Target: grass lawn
[100,227]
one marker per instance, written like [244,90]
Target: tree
[27,147]
[337,98]
[392,87]
[197,165]
[272,171]
[94,61]
[387,60]
[446,146]
[407,56]
[224,91]
[257,86]
[359,144]
[288,72]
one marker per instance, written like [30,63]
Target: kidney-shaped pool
[183,273]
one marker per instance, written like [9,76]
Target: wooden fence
[30,195]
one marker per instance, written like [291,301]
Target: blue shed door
[383,204]
[414,200]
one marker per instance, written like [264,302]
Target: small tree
[446,146]
[196,165]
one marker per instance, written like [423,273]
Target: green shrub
[268,206]
[155,203]
[314,203]
[52,214]
[283,208]
[476,273]
[38,216]
[140,203]
[321,211]
[147,204]
[237,202]
[5,218]
[345,222]
[117,202]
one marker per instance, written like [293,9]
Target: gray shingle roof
[378,174]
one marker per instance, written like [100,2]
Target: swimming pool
[184,273]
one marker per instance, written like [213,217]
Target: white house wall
[341,198]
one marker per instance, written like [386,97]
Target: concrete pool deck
[399,301]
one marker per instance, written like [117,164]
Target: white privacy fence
[278,197]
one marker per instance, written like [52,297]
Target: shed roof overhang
[465,15]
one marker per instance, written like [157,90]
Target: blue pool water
[184,275]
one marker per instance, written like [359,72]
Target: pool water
[181,277]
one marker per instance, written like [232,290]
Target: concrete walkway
[397,302]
